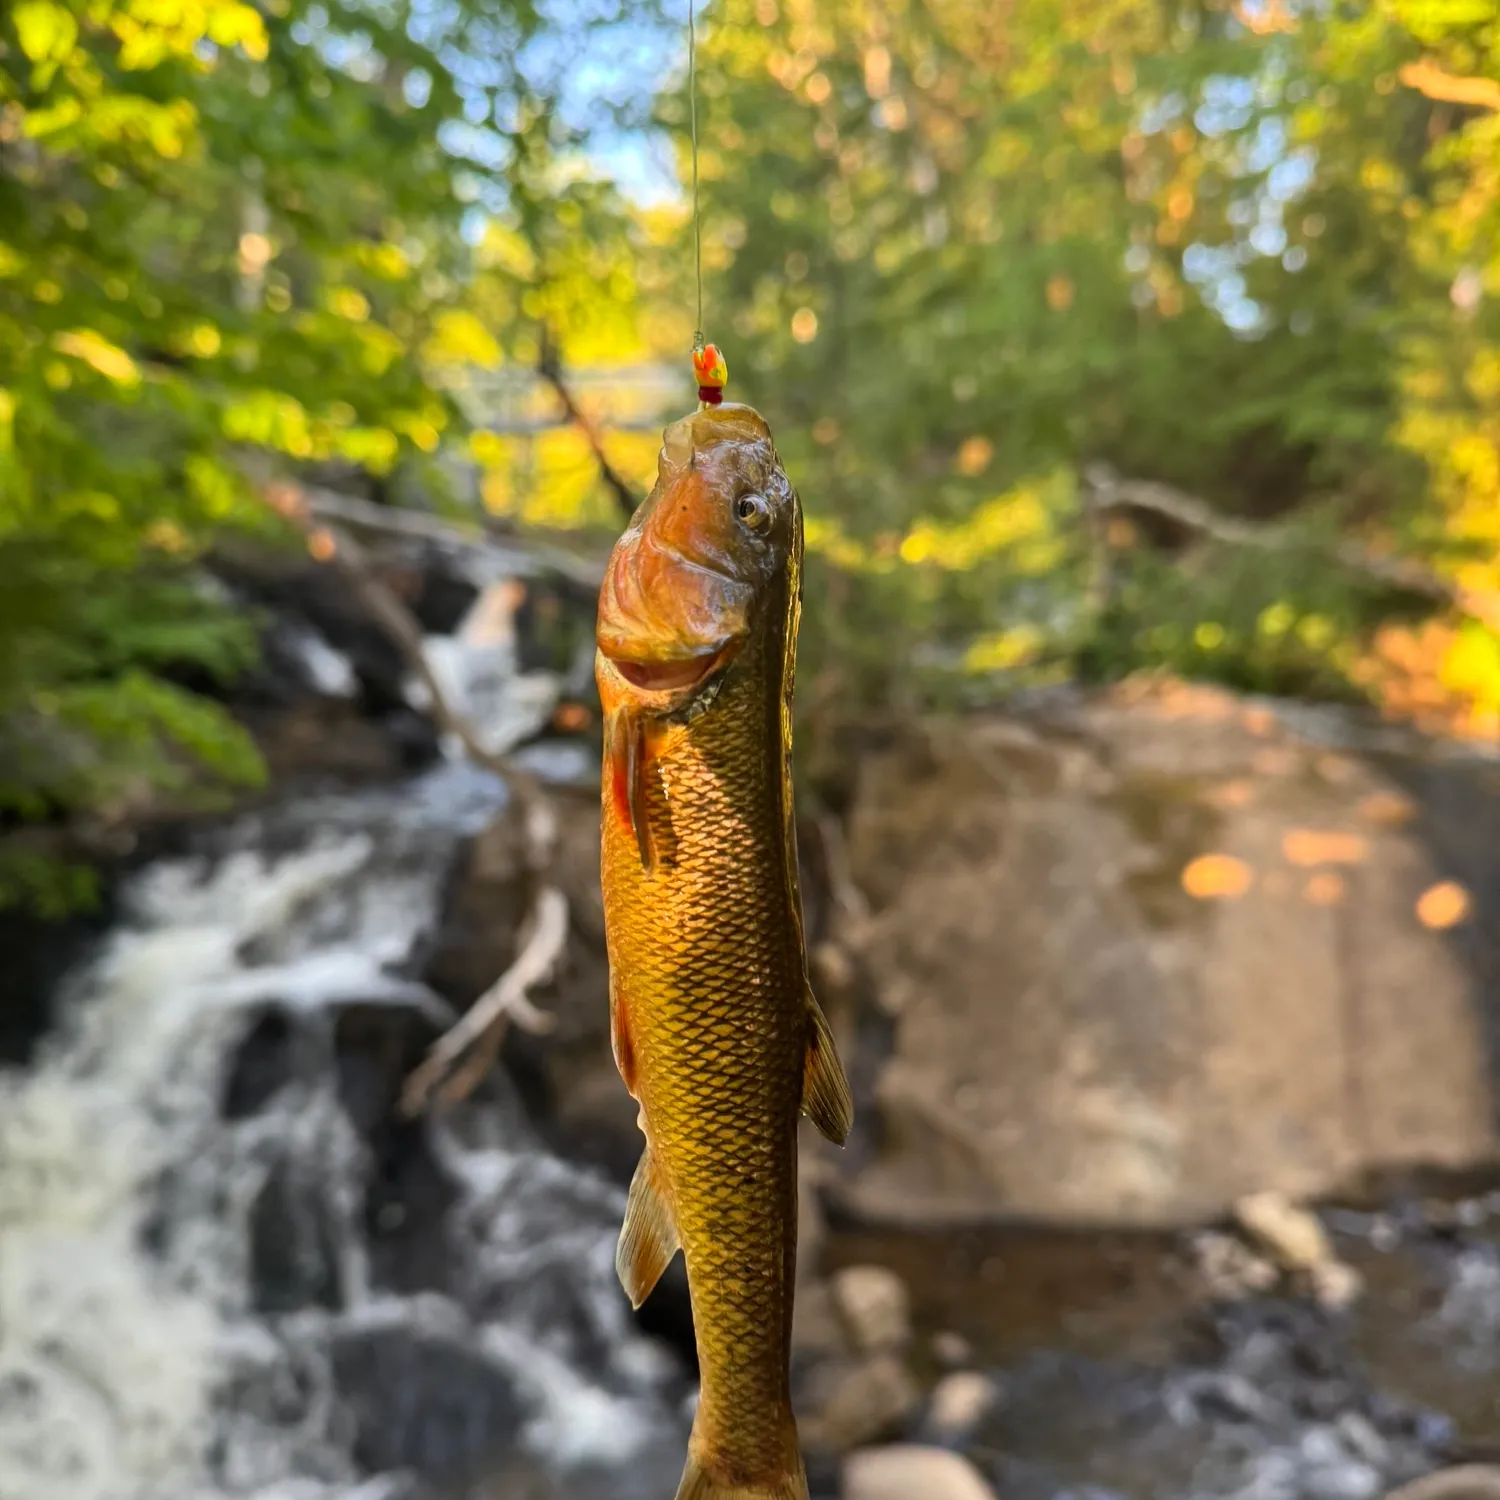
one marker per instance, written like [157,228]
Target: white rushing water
[139,1358]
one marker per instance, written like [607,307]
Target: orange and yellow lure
[712,373]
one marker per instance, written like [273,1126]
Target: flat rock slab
[909,1472]
[1148,959]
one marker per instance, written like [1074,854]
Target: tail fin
[699,1485]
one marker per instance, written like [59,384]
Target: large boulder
[1148,954]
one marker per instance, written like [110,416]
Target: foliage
[233,236]
[959,252]
[962,250]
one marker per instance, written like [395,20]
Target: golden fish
[716,1033]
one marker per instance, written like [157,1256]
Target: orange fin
[648,1237]
[638,767]
[826,1099]
[698,1484]
[627,754]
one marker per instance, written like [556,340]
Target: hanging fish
[715,1030]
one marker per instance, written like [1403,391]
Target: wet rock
[38,953]
[874,1306]
[816,1326]
[1465,1482]
[425,1401]
[406,1193]
[909,1472]
[335,740]
[1144,1038]
[951,1349]
[1230,1269]
[860,1403]
[1359,1436]
[1331,1472]
[1297,1240]
[481,913]
[1292,1234]
[1336,1284]
[263,1064]
[959,1402]
[294,1243]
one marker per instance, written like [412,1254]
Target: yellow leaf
[460,338]
[45,30]
[44,122]
[95,350]
[348,303]
[1003,650]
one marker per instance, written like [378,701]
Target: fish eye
[753,512]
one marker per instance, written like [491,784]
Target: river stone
[425,1401]
[1466,1482]
[958,1402]
[860,1402]
[874,1306]
[1080,1039]
[909,1472]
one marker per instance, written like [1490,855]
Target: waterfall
[227,1269]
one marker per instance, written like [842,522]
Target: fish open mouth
[667,676]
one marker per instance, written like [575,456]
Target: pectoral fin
[648,1238]
[627,753]
[826,1099]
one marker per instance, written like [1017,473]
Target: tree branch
[550,369]
[459,1059]
[1106,492]
[364,515]
[1427,78]
[457,1062]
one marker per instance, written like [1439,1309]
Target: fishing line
[708,362]
[697,217]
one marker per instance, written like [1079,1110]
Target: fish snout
[666,621]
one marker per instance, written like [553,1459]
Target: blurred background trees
[987,268]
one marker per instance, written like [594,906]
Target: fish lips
[667,624]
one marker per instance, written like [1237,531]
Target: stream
[1122,1376]
[225,1270]
[229,1269]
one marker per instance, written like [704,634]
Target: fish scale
[719,1049]
[716,1031]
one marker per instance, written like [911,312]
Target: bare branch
[550,369]
[364,515]
[459,1059]
[1107,492]
[1427,78]
[849,902]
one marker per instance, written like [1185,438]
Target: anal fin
[826,1099]
[648,1237]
